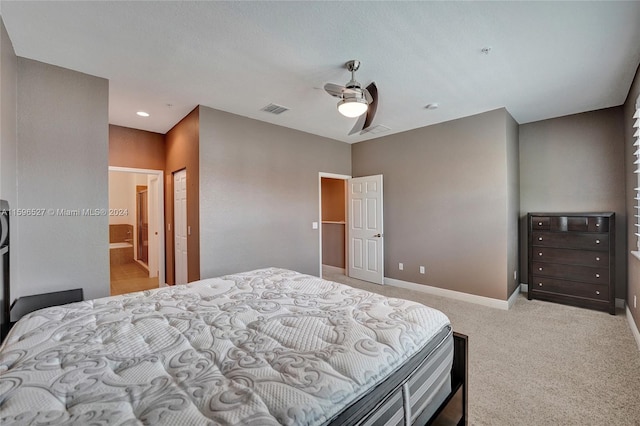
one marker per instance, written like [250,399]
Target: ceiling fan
[354,100]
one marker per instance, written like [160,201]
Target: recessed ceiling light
[432,106]
[142,114]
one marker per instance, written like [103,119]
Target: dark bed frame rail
[453,410]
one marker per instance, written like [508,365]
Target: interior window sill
[636,254]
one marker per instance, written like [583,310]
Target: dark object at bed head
[27,304]
[4,273]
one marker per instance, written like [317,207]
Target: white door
[152,205]
[366,242]
[180,225]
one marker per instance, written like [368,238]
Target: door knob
[377,236]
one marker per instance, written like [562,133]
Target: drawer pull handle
[540,269]
[540,284]
[597,225]
[597,292]
[597,275]
[540,254]
[539,238]
[597,241]
[597,259]
[539,223]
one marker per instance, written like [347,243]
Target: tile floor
[130,277]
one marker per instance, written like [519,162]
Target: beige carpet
[540,363]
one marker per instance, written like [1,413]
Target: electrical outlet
[422,269]
[401,266]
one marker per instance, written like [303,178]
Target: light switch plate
[314,225]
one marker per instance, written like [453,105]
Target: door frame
[154,224]
[187,227]
[346,228]
[160,215]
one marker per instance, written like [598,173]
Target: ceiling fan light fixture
[352,107]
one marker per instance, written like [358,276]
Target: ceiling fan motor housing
[356,94]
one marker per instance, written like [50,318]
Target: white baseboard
[465,297]
[634,328]
[514,296]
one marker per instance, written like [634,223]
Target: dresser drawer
[569,288]
[599,224]
[570,257]
[540,222]
[589,241]
[579,273]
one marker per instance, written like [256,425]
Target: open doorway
[333,223]
[142,222]
[136,231]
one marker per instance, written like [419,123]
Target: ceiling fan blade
[359,125]
[334,89]
[373,105]
[367,96]
[364,121]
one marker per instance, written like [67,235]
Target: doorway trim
[180,225]
[160,212]
[332,176]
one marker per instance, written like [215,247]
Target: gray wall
[8,135]
[631,183]
[448,199]
[8,81]
[259,193]
[63,138]
[575,164]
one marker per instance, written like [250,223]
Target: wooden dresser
[572,259]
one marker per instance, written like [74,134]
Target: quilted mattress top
[265,347]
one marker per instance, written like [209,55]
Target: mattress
[265,347]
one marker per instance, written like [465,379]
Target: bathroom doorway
[142,219]
[136,230]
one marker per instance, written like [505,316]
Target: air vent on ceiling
[377,129]
[275,109]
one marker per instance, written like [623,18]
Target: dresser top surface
[570,214]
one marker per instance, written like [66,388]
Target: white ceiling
[547,59]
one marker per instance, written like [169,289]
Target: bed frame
[453,410]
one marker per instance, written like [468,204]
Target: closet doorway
[333,223]
[136,229]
